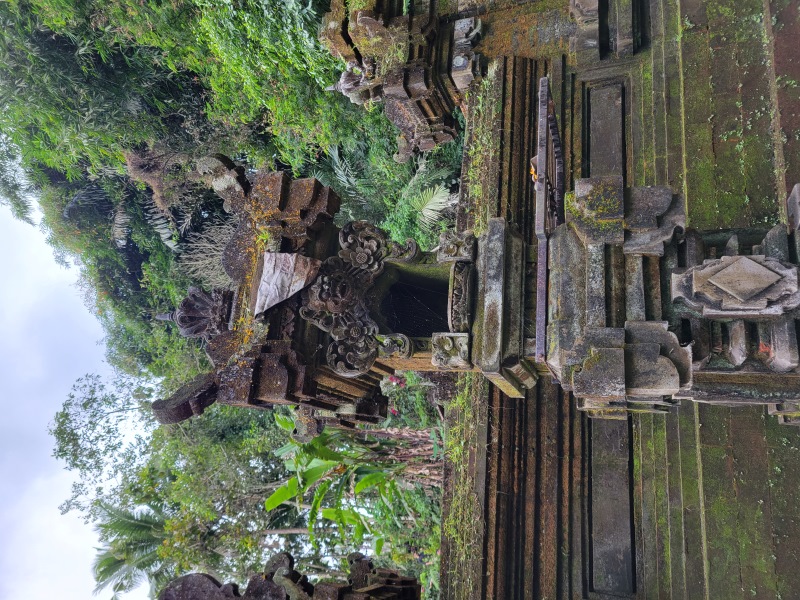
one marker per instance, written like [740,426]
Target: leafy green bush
[408,401]
[260,60]
[417,209]
[383,492]
[70,108]
[125,287]
[416,538]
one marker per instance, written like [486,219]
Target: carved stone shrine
[417,66]
[262,351]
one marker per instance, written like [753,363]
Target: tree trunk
[287,531]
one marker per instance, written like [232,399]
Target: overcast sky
[48,340]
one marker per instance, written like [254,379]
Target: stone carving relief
[357,82]
[336,301]
[738,287]
[459,306]
[465,64]
[450,351]
[456,247]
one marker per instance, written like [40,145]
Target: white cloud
[44,551]
[47,340]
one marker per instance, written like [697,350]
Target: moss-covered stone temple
[622,282]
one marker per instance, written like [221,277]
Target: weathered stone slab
[566,319]
[738,287]
[602,375]
[611,539]
[606,130]
[499,348]
[283,276]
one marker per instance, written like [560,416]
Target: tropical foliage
[223,492]
[129,554]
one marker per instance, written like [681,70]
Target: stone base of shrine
[498,334]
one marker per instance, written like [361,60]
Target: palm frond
[347,178]
[429,204]
[424,177]
[201,256]
[129,555]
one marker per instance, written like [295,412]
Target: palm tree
[129,554]
[15,191]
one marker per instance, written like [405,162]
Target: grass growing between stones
[463,524]
[483,148]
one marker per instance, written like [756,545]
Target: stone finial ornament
[201,314]
[653,215]
[191,400]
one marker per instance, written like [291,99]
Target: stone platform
[698,501]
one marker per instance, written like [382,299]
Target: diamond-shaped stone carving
[744,279]
[738,287]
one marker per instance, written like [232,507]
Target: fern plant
[429,204]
